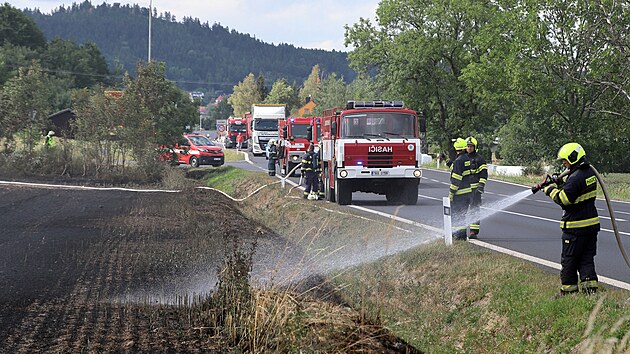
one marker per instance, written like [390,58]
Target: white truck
[264,125]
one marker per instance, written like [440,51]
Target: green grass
[465,299]
[233,155]
[617,184]
[229,179]
[451,299]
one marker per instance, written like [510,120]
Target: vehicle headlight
[294,157]
[343,173]
[417,173]
[204,150]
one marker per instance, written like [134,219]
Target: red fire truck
[371,146]
[235,126]
[297,134]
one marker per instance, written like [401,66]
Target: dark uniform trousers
[578,252]
[580,226]
[311,170]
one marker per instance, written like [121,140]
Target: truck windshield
[237,128]
[266,124]
[378,124]
[299,130]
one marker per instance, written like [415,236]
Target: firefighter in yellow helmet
[311,170]
[478,178]
[459,190]
[580,222]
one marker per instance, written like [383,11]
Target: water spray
[554,179]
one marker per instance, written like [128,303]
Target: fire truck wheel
[194,161]
[410,195]
[394,195]
[343,194]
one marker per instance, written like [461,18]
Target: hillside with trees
[199,55]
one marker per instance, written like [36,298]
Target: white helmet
[51,133]
[272,142]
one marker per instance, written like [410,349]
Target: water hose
[612,216]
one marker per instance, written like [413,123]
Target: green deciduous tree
[418,52]
[536,74]
[334,93]
[83,65]
[245,94]
[151,112]
[283,93]
[24,106]
[552,68]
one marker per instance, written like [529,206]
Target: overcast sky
[307,24]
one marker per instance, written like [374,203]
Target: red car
[196,149]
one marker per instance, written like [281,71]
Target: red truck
[296,134]
[371,146]
[233,127]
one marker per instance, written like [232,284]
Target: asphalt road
[529,227]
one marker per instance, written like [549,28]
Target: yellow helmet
[459,144]
[471,141]
[572,152]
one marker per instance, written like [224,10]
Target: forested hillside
[198,55]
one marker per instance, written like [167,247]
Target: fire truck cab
[235,126]
[297,133]
[371,146]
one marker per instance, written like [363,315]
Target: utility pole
[150,15]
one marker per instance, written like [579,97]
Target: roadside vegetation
[453,299]
[233,155]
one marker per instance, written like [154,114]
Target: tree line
[201,56]
[532,75]
[38,78]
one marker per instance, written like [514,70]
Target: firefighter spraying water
[576,195]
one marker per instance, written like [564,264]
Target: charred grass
[192,271]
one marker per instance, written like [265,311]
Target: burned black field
[119,271]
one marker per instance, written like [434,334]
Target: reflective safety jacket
[310,162]
[577,199]
[479,172]
[272,152]
[460,177]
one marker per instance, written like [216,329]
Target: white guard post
[448,230]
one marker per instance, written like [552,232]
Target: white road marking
[602,279]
